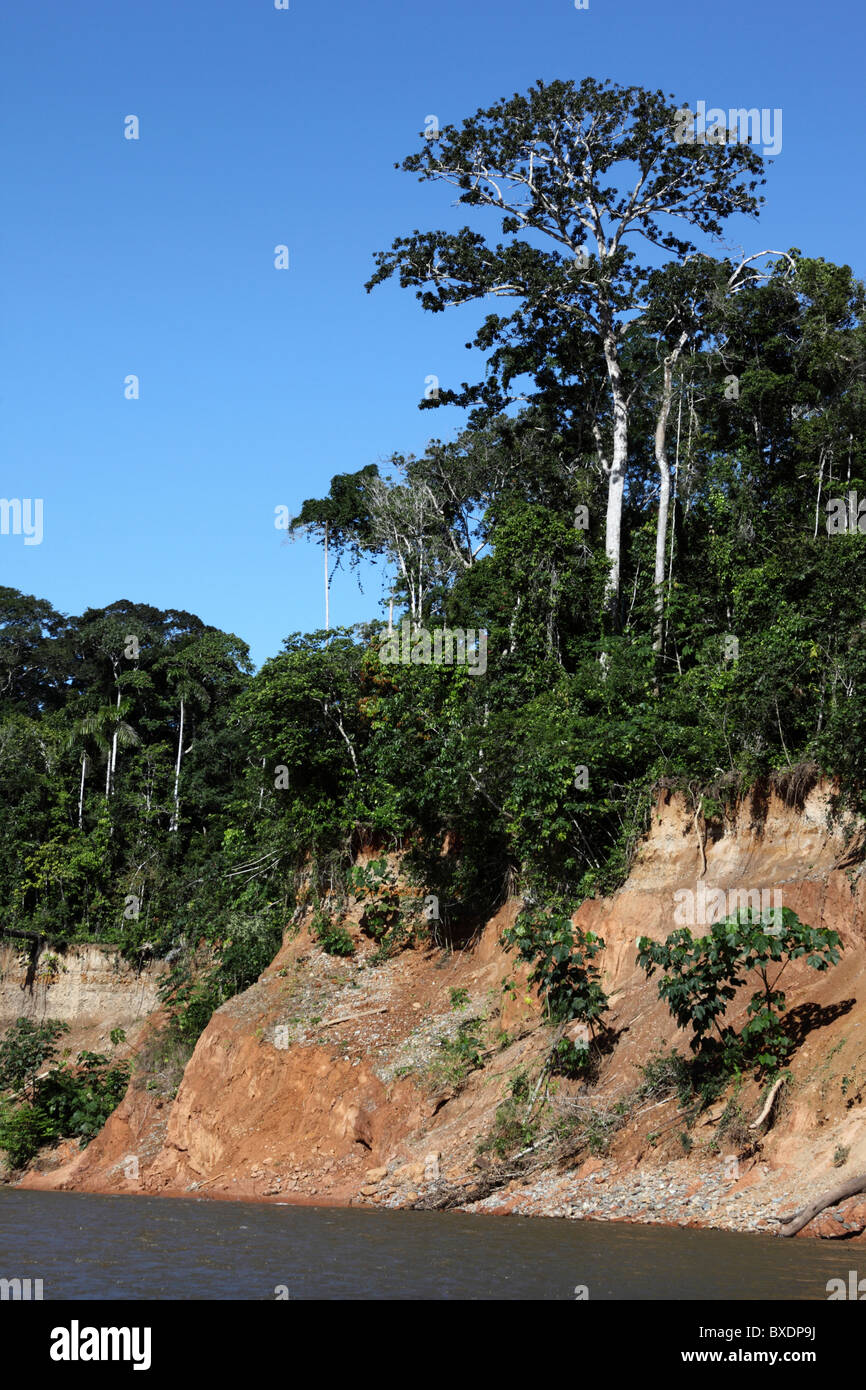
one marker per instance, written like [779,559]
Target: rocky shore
[671,1194]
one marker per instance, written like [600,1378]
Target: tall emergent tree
[342,520]
[586,167]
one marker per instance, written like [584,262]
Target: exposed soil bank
[325,1081]
[90,987]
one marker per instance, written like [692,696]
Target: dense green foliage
[67,1102]
[538,769]
[26,1047]
[233,959]
[160,795]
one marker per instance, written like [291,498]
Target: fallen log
[207,1182]
[798,1219]
[448,1197]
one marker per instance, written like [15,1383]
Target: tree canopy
[641,514]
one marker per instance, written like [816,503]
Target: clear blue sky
[259,127]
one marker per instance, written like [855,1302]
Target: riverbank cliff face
[328,1080]
[89,987]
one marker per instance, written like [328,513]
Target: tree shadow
[607,1038]
[805,1018]
[602,1045]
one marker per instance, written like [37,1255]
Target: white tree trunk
[818,498]
[618,467]
[176,814]
[113,759]
[81,791]
[615,493]
[661,540]
[327,585]
[661,452]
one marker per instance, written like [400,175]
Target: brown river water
[106,1247]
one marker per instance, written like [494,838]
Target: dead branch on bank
[798,1219]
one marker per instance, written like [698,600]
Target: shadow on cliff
[805,1018]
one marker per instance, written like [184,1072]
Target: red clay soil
[353,1101]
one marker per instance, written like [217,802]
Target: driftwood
[768,1104]
[207,1182]
[798,1219]
[447,1196]
[350,1018]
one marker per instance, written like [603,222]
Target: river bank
[354,1081]
[674,1195]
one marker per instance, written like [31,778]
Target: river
[100,1247]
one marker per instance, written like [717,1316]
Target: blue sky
[261,127]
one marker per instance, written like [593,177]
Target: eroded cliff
[339,1080]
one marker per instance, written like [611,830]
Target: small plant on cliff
[193,992]
[562,958]
[516,1122]
[459,1055]
[702,975]
[733,1127]
[850,1083]
[50,969]
[511,1131]
[392,922]
[332,936]
[572,1059]
[665,1074]
[375,885]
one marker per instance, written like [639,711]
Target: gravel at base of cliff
[661,1196]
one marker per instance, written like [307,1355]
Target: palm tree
[86,734]
[122,734]
[99,734]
